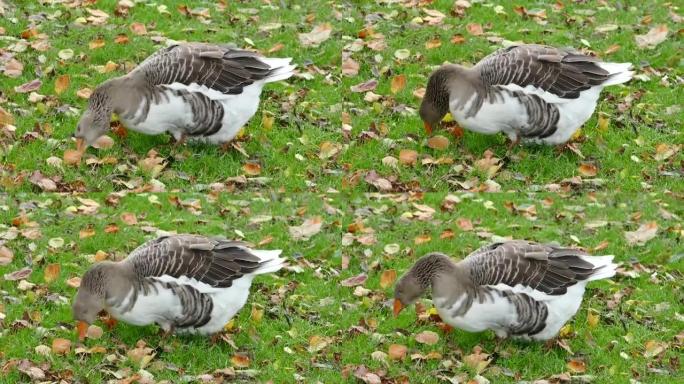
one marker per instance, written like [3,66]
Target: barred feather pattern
[531,313]
[546,268]
[564,73]
[196,306]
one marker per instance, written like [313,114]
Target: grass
[623,151]
[631,187]
[314,303]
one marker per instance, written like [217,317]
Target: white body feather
[173,114]
[507,114]
[499,314]
[162,306]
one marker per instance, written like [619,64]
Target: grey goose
[516,288]
[184,283]
[533,93]
[197,91]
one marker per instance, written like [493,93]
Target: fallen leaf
[457,39]
[329,149]
[422,239]
[6,255]
[94,332]
[28,87]
[577,366]
[65,54]
[398,83]
[129,218]
[644,233]
[402,54]
[97,43]
[655,36]
[354,280]
[350,67]
[61,346]
[72,157]
[252,168]
[592,319]
[138,28]
[61,84]
[438,142]
[387,278]
[365,86]
[74,282]
[51,272]
[309,227]
[587,170]
[477,361]
[13,68]
[84,93]
[319,34]
[408,156]
[18,275]
[474,29]
[427,337]
[103,142]
[654,348]
[397,351]
[432,44]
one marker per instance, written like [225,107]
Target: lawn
[359,163]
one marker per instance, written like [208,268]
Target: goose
[517,288]
[533,93]
[184,283]
[197,91]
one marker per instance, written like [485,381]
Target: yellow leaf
[239,360]
[592,319]
[387,278]
[61,84]
[51,272]
[252,169]
[267,122]
[398,83]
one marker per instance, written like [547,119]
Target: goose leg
[180,141]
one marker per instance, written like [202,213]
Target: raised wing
[210,261]
[546,268]
[561,72]
[214,66]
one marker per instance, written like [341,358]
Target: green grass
[623,152]
[315,304]
[631,188]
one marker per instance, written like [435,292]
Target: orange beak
[428,127]
[82,328]
[80,145]
[398,306]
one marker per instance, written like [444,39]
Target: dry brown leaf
[240,360]
[72,157]
[387,278]
[138,28]
[421,239]
[427,337]
[408,156]
[588,170]
[432,44]
[61,346]
[354,280]
[477,361]
[365,86]
[350,67]
[121,39]
[319,34]
[84,93]
[94,332]
[329,149]
[457,39]
[577,366]
[5,118]
[97,43]
[398,83]
[61,84]
[655,36]
[103,142]
[129,218]
[438,142]
[6,255]
[252,168]
[51,272]
[644,233]
[309,227]
[74,282]
[397,352]
[474,29]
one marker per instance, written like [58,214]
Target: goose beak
[398,306]
[80,145]
[428,127]
[82,329]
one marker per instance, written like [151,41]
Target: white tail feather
[604,265]
[282,69]
[620,73]
[270,261]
